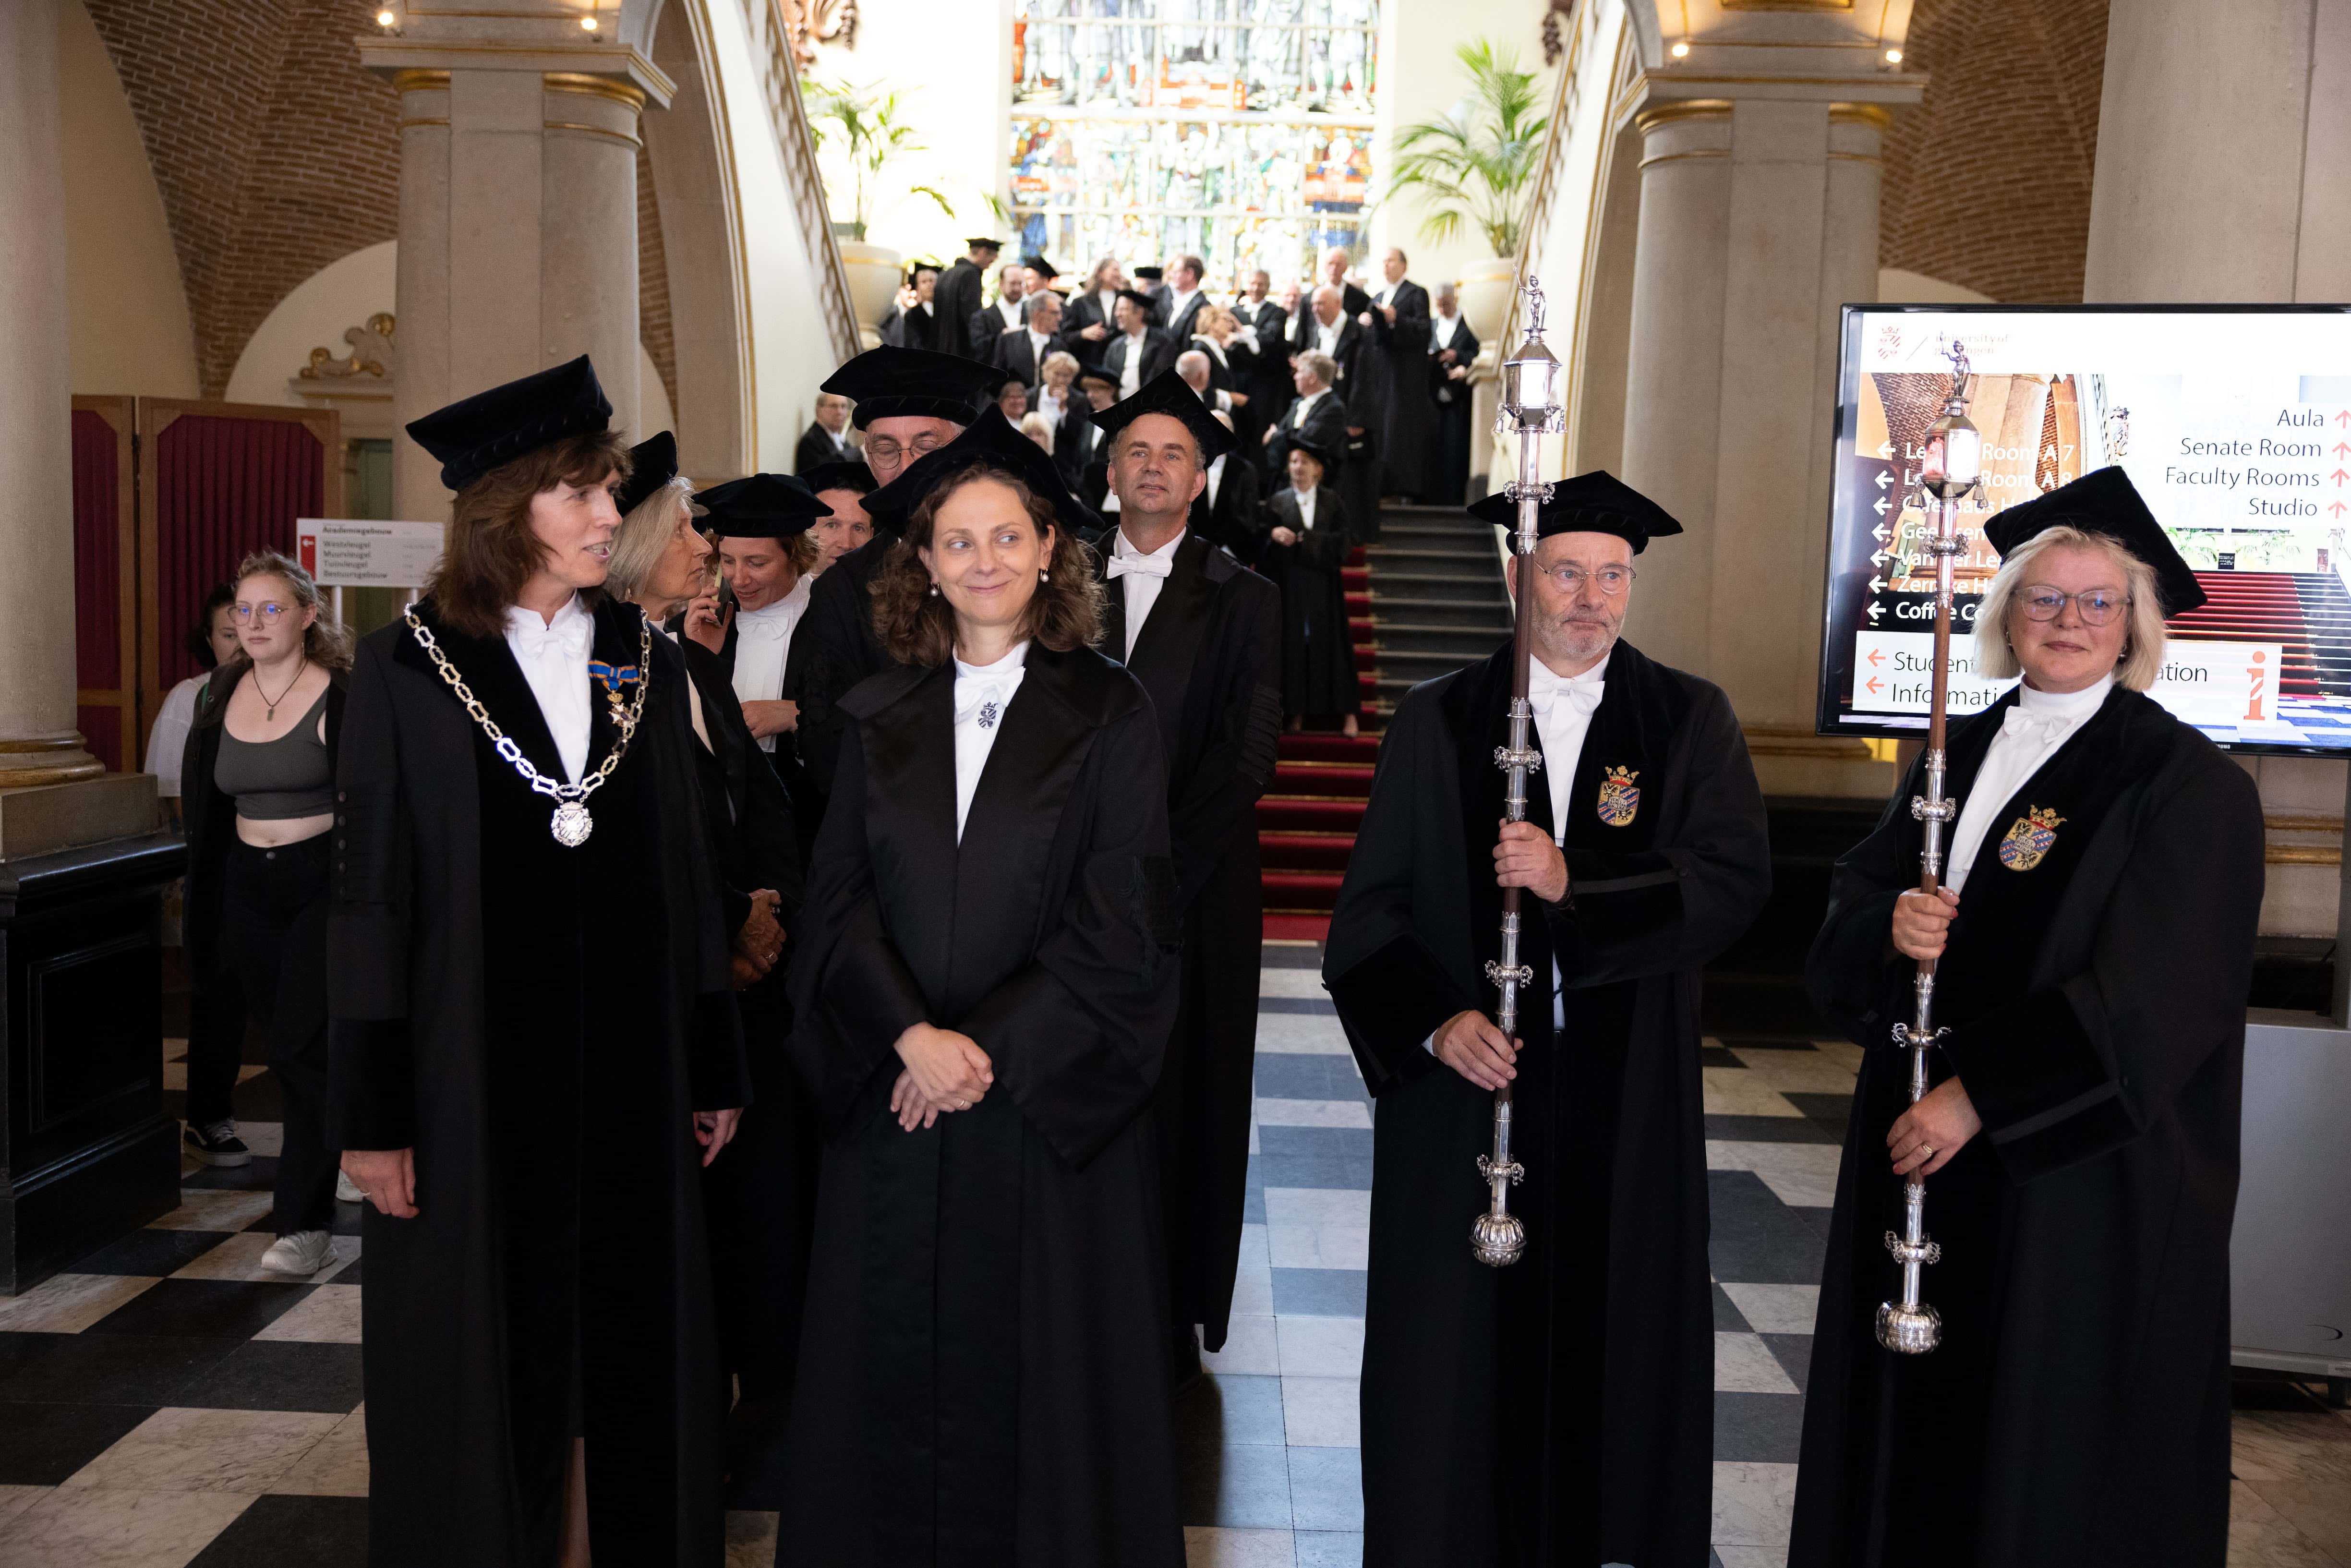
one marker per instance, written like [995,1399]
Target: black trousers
[273,963]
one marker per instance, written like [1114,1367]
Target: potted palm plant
[1474,167]
[866,128]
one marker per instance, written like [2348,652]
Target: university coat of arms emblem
[1619,799]
[2030,839]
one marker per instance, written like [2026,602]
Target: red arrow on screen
[2344,418]
[1870,686]
[2336,508]
[2338,476]
[2343,449]
[1877,656]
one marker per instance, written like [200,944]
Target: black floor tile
[1311,1006]
[1818,1218]
[1767,1042]
[1728,1318]
[1772,1130]
[1252,1205]
[1759,1429]
[1716,1056]
[18,1352]
[350,1276]
[256,1174]
[281,1375]
[1290,957]
[1236,1486]
[41,1445]
[202,1309]
[1350,1175]
[117,1369]
[1794,1352]
[156,1253]
[281,1531]
[1756,1238]
[1834,1112]
[1320,1292]
[1222,1409]
[1284,1075]
[1317,1143]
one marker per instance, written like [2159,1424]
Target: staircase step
[1356,748]
[1301,814]
[1326,779]
[1293,889]
[1305,851]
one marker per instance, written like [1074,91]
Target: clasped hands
[758,944]
[944,1071]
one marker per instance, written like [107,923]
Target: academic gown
[1449,475]
[1231,520]
[953,302]
[540,1023]
[2078,1411]
[1561,1410]
[1210,657]
[833,648]
[1392,392]
[984,1372]
[1318,645]
[760,1193]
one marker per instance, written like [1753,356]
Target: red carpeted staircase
[2309,612]
[1425,599]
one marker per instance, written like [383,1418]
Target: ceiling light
[1681,49]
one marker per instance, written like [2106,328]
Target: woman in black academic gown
[1307,542]
[2095,947]
[761,1197]
[534,1048]
[985,983]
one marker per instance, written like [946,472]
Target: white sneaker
[347,1190]
[303,1252]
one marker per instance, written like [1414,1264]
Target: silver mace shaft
[1909,1326]
[1531,407]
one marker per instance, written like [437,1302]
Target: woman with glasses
[1305,547]
[2093,940]
[985,983]
[258,774]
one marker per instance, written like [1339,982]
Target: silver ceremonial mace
[1532,406]
[1947,470]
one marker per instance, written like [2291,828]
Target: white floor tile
[1743,1363]
[214,1210]
[1251,1347]
[750,1540]
[1805,1175]
[1322,1412]
[1321,1347]
[328,1315]
[1318,1206]
[1312,1114]
[1300,1034]
[1799,1071]
[1733,1092]
[14,1500]
[1320,1246]
[1776,1308]
[81,1528]
[337,1465]
[1291,984]
[239,1257]
[1753,1504]
[1211,1546]
[68,1304]
[1253,1246]
[1751,1556]
[205,1450]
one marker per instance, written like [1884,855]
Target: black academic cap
[891,383]
[492,428]
[762,507]
[652,462]
[841,473]
[980,241]
[1593,503]
[993,441]
[1096,373]
[1040,267]
[1151,274]
[2104,501]
[1167,393]
[1289,441]
[1143,301]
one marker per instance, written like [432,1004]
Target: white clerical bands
[1141,565]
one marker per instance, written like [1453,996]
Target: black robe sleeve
[2080,1067]
[1220,794]
[1079,1035]
[1651,912]
[370,1075]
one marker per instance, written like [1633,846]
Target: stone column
[38,743]
[519,135]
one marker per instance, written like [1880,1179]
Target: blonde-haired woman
[2093,945]
[258,778]
[984,992]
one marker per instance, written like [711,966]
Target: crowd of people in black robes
[791,955]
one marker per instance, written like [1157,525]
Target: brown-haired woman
[985,984]
[534,1044]
[258,776]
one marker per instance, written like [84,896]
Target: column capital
[1715,78]
[616,68]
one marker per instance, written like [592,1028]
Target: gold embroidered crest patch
[2033,835]
[1619,799]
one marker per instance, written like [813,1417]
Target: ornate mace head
[1534,384]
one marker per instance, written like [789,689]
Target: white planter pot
[1485,288]
[872,271]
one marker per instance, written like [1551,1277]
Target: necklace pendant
[571,824]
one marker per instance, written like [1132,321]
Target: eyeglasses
[2098,605]
[1612,580]
[887,448]
[266,612]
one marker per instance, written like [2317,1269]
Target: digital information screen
[2234,423]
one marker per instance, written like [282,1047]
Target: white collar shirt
[1216,479]
[1305,507]
[1130,374]
[1298,410]
[1142,574]
[2030,734]
[1563,706]
[1010,311]
[1442,327]
[554,659]
[1051,405]
[1039,346]
[982,693]
[763,640]
[1178,303]
[1326,339]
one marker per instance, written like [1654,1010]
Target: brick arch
[1987,180]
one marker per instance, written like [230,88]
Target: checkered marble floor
[163,1404]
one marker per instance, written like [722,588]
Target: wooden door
[105,580]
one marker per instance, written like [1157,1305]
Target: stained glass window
[1237,129]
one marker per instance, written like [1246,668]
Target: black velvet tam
[763,507]
[1040,267]
[2104,501]
[1593,503]
[839,475]
[652,462]
[491,428]
[1168,393]
[994,442]
[891,383]
[1142,302]
[1101,377]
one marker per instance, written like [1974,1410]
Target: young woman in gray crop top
[260,782]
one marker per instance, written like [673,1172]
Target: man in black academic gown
[826,439]
[1021,352]
[990,323]
[1091,318]
[1559,1410]
[1081,450]
[956,299]
[1225,511]
[1318,417]
[1392,397]
[1139,350]
[1203,635]
[1451,347]
[1268,380]
[908,404]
